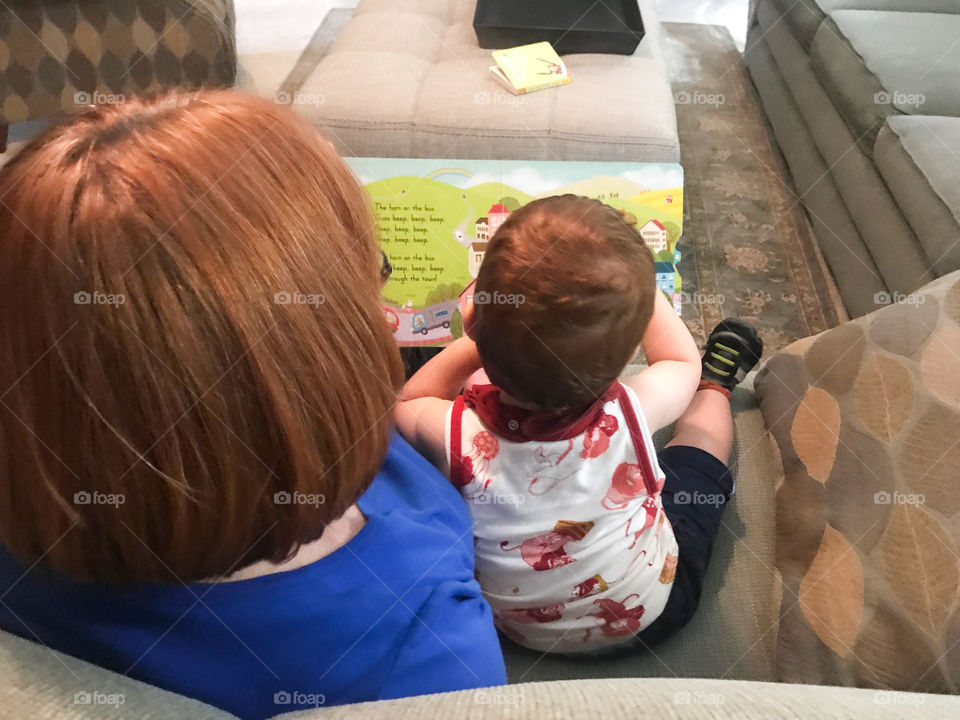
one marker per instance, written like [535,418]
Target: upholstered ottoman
[409,80]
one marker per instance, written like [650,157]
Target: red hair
[189,321]
[568,290]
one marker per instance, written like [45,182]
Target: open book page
[436,217]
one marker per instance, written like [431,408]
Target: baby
[585,538]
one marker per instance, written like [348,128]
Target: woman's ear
[466,311]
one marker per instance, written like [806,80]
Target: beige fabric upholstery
[661,698]
[409,80]
[867,416]
[853,177]
[874,64]
[733,634]
[40,683]
[805,16]
[916,154]
[880,212]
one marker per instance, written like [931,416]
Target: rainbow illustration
[448,171]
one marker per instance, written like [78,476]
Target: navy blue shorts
[695,494]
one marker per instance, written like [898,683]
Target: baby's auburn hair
[562,300]
[195,368]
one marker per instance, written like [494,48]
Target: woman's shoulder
[408,486]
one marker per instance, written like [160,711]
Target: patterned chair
[59,55]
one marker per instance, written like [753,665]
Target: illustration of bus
[433,317]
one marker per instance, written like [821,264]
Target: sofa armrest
[646,697]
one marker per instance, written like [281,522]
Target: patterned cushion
[867,419]
[58,55]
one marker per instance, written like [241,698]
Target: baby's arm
[667,386]
[421,411]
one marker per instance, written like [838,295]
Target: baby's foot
[733,349]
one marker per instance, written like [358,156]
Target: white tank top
[573,549]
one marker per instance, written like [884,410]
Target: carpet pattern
[747,247]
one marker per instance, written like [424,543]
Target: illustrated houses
[482,234]
[666,277]
[475,254]
[485,228]
[654,234]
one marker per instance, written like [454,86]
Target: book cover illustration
[436,217]
[527,68]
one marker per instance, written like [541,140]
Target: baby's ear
[466,311]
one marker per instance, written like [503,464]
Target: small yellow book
[527,68]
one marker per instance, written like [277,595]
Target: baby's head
[563,297]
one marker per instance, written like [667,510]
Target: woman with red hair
[199,482]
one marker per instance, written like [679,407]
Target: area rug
[747,247]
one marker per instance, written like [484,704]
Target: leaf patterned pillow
[867,420]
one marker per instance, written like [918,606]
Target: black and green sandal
[733,349]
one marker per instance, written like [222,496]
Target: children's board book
[527,68]
[436,217]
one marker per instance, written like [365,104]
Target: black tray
[571,26]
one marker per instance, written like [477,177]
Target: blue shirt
[394,612]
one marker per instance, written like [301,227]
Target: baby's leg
[698,483]
[706,424]
[733,349]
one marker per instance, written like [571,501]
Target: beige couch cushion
[41,683]
[661,698]
[874,64]
[805,16]
[919,158]
[409,80]
[733,634]
[867,419]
